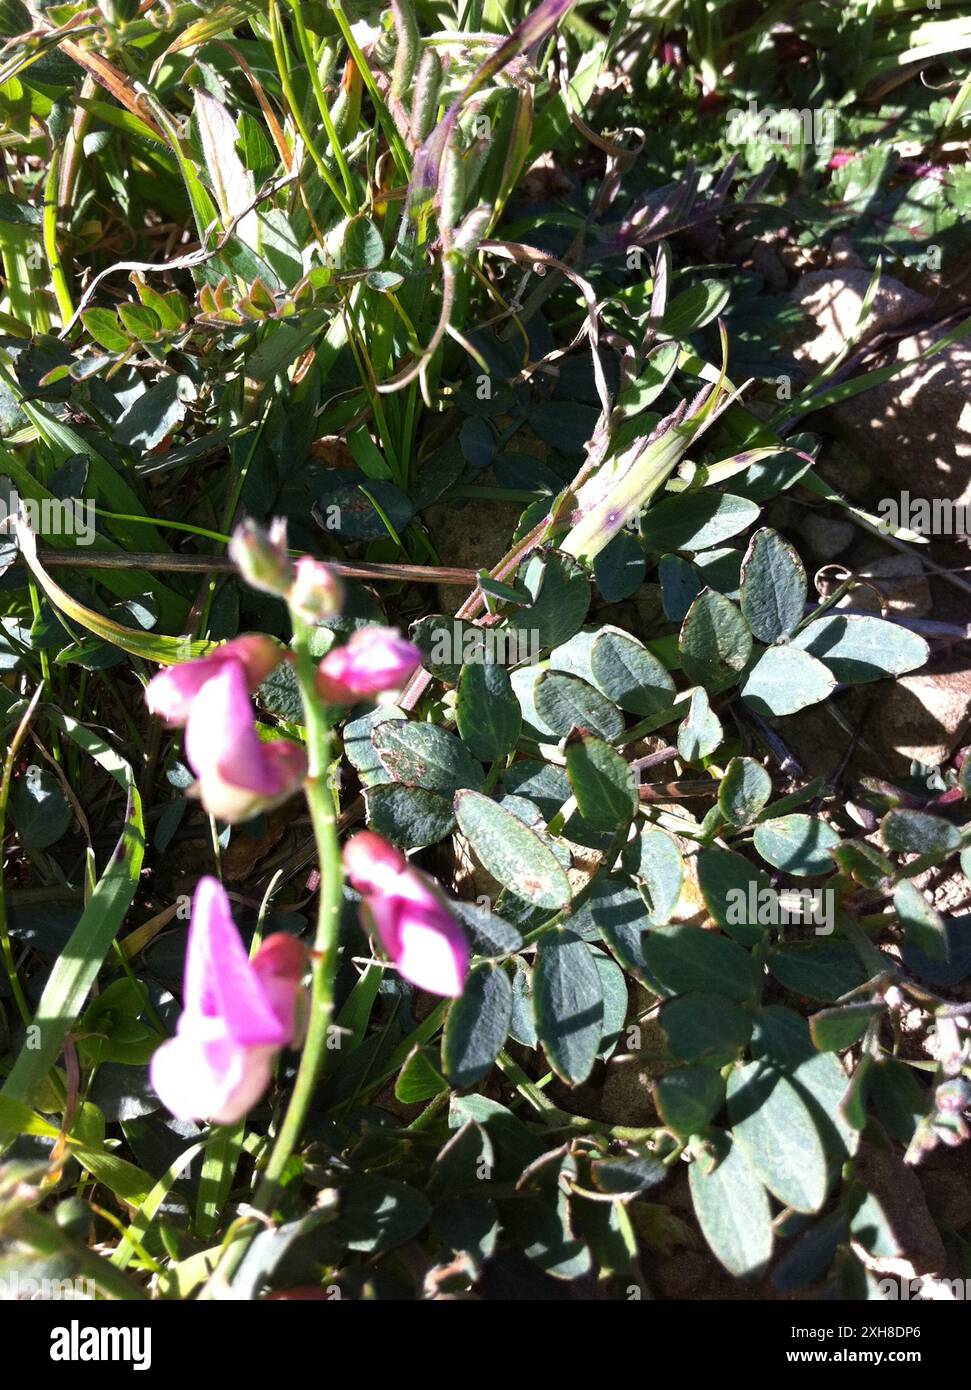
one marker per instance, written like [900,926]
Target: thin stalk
[20,999]
[283,68]
[384,115]
[59,281]
[310,59]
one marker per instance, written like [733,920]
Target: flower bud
[261,556]
[471,230]
[374,660]
[424,107]
[952,1097]
[316,592]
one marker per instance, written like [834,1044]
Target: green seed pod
[409,47]
[428,83]
[471,230]
[346,110]
[476,159]
[385,46]
[451,188]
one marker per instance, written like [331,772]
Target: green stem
[59,280]
[6,950]
[383,114]
[283,67]
[303,39]
[323,817]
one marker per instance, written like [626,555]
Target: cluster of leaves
[333,348]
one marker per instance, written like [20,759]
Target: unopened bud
[424,107]
[316,592]
[954,1096]
[261,556]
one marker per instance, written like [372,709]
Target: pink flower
[415,927]
[840,158]
[316,592]
[239,774]
[375,659]
[237,1015]
[171,693]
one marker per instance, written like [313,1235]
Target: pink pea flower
[239,774]
[375,659]
[416,929]
[172,692]
[237,1015]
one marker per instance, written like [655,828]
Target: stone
[833,301]
[844,470]
[917,426]
[765,262]
[475,536]
[843,253]
[899,587]
[948,1195]
[626,1097]
[922,717]
[826,537]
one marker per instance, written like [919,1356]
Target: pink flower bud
[410,916]
[238,773]
[375,659]
[171,693]
[316,592]
[237,1014]
[261,556]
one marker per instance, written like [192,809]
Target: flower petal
[173,691]
[216,1080]
[220,980]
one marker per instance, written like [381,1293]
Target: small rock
[917,426]
[844,470]
[626,1097]
[826,536]
[765,262]
[948,1196]
[921,717]
[833,301]
[899,586]
[475,537]
[843,253]
[801,258]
